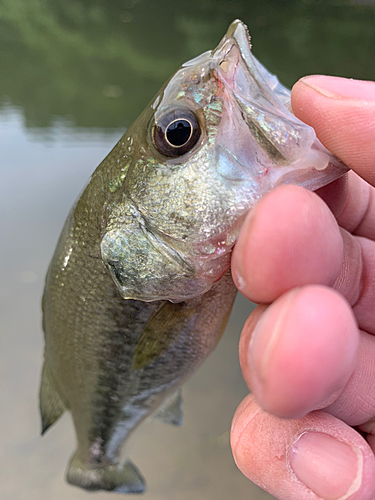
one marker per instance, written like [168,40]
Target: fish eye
[176,132]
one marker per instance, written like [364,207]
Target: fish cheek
[142,266]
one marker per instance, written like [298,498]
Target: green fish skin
[139,290]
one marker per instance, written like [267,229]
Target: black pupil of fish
[178,132]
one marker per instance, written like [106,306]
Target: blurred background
[73,75]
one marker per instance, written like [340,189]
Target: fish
[139,290]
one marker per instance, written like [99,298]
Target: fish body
[139,290]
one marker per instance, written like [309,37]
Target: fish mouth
[262,119]
[262,105]
[256,94]
[274,144]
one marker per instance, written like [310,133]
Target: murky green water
[96,63]
[73,76]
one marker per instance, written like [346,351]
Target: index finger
[342,112]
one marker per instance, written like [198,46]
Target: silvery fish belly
[139,289]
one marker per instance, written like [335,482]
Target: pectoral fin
[170,411]
[160,332]
[51,404]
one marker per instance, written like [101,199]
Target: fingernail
[341,88]
[328,467]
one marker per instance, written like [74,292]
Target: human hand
[307,431]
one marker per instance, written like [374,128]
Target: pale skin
[307,431]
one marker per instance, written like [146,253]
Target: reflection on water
[74,75]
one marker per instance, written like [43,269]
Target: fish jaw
[273,145]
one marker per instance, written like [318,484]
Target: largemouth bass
[139,290]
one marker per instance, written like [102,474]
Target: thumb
[342,112]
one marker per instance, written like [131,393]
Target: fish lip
[237,34]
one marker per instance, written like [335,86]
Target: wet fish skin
[91,336]
[138,291]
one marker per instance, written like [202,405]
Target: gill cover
[143,266]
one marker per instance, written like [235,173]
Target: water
[74,75]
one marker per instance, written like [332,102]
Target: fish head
[217,137]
